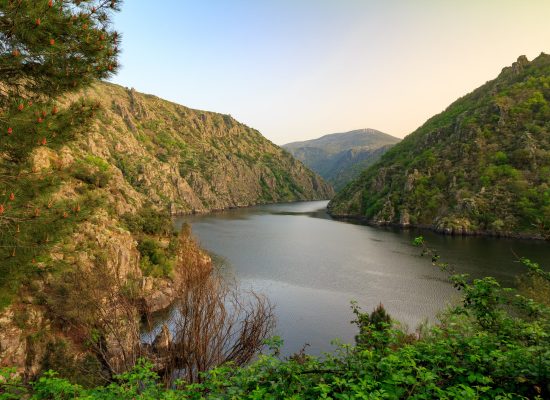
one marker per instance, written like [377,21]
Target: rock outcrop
[193,161]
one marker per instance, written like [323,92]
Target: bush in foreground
[495,345]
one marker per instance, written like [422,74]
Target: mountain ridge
[215,161]
[339,157]
[482,166]
[339,134]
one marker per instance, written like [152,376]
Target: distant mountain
[480,166]
[340,157]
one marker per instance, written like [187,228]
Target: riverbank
[440,230]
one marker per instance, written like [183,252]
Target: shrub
[494,345]
[149,221]
[155,260]
[97,175]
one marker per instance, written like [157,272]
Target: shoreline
[431,228]
[365,221]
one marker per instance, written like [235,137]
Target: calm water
[311,267]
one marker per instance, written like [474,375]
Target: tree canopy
[48,47]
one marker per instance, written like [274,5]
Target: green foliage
[59,356]
[482,165]
[373,327]
[156,260]
[495,345]
[149,221]
[92,171]
[286,188]
[37,125]
[31,220]
[49,48]
[500,158]
[149,225]
[24,247]
[536,283]
[11,385]
[130,168]
[98,162]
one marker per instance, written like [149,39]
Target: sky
[300,69]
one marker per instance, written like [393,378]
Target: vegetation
[195,161]
[156,260]
[494,345]
[60,135]
[341,157]
[48,49]
[157,240]
[52,47]
[482,165]
[89,175]
[216,323]
[81,316]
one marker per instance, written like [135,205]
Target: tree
[214,323]
[48,48]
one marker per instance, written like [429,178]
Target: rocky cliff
[193,161]
[481,166]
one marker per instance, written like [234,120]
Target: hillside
[340,157]
[87,244]
[480,166]
[195,161]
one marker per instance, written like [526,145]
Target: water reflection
[312,266]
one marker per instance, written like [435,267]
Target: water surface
[311,267]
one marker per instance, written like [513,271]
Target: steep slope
[481,166]
[340,157]
[193,160]
[87,243]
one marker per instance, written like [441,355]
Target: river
[311,267]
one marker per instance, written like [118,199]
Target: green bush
[92,174]
[98,162]
[494,345]
[155,259]
[500,158]
[149,221]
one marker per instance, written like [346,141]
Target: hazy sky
[299,69]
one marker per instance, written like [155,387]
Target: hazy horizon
[300,70]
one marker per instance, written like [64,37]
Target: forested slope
[480,166]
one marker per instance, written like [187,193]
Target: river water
[311,267]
